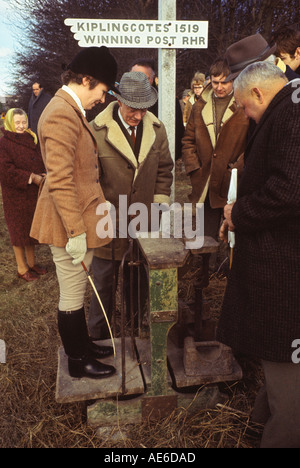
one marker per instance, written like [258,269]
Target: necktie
[132,135]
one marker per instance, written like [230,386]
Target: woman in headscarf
[21,172]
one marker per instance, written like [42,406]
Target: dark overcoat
[19,157]
[261,309]
[35,108]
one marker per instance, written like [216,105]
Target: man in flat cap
[65,216]
[135,162]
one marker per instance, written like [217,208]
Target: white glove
[77,248]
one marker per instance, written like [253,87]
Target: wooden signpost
[165,34]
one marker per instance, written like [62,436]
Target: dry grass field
[30,417]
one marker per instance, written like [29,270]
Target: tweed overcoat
[145,179]
[19,158]
[207,159]
[71,194]
[260,316]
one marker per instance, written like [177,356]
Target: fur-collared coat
[188,109]
[72,191]
[144,178]
[260,316]
[210,161]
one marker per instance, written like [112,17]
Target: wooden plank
[69,389]
[209,246]
[163,253]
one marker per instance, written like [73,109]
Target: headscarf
[9,124]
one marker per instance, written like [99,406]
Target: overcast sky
[7,47]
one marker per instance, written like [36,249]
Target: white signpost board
[165,34]
[149,34]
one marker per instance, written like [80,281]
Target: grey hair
[270,59]
[18,111]
[258,74]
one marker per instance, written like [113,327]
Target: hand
[223,232]
[227,216]
[195,177]
[77,248]
[37,178]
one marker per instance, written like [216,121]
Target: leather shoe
[89,367]
[28,276]
[99,352]
[39,270]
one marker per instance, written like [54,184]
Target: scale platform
[138,374]
[160,374]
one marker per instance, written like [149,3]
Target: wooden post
[167,90]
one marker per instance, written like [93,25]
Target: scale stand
[160,373]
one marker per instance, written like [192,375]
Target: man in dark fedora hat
[135,162]
[65,216]
[253,49]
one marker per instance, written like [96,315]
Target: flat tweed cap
[246,51]
[135,91]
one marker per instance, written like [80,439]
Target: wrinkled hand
[37,178]
[223,232]
[77,248]
[227,216]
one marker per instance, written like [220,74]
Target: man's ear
[86,81]
[257,95]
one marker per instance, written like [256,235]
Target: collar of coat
[116,138]
[68,98]
[206,99]
[284,94]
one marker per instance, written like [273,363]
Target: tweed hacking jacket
[72,192]
[261,309]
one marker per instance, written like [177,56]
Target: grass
[30,417]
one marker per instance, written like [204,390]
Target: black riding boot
[82,354]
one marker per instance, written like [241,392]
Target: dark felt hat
[246,51]
[96,62]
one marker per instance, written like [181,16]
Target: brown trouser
[277,405]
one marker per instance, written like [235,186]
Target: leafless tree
[47,42]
